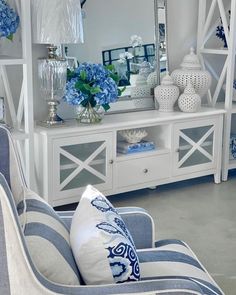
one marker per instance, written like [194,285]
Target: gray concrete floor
[201,213]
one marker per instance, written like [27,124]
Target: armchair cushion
[102,245]
[48,240]
[174,259]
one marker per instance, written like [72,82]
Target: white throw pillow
[102,245]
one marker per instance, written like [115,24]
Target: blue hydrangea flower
[9,20]
[91,77]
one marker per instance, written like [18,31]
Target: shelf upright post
[229,91]
[28,92]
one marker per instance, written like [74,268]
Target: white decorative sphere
[166,94]
[191,72]
[189,101]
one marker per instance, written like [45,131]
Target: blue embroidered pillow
[102,245]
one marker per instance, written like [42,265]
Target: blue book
[129,148]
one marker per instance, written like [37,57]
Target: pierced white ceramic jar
[191,72]
[152,79]
[189,101]
[166,94]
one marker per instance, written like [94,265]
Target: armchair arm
[138,221]
[140,225]
[66,216]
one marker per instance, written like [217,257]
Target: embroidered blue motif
[122,256]
[109,228]
[102,204]
[123,227]
[130,266]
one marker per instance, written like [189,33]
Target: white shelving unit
[21,117]
[207,23]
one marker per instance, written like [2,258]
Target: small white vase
[189,101]
[166,94]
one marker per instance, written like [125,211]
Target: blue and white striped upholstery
[45,230]
[10,164]
[174,259]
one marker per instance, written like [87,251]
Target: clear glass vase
[88,115]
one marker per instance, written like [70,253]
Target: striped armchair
[167,266]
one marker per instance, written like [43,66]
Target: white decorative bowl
[133,135]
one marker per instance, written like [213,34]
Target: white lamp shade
[57,21]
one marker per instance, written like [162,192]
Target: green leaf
[106,107]
[110,68]
[121,90]
[81,86]
[10,37]
[83,75]
[95,90]
[85,102]
[115,77]
[87,87]
[92,101]
[70,74]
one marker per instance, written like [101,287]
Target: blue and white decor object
[220,32]
[9,20]
[232,147]
[43,229]
[130,148]
[102,245]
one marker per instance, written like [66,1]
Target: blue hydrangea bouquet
[9,20]
[91,85]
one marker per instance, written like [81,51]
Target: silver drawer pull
[145,171]
[111,162]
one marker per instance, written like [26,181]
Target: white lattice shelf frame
[21,116]
[206,28]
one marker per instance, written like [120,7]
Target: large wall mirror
[131,34]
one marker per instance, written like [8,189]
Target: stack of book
[129,148]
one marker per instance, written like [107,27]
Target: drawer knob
[111,162]
[145,171]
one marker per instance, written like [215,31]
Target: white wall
[182,29]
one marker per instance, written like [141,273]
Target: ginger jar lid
[167,80]
[191,61]
[189,89]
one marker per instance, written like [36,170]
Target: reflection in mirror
[126,36]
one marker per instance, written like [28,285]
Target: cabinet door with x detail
[195,146]
[79,161]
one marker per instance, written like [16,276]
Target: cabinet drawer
[143,170]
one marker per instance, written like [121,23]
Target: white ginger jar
[189,101]
[166,94]
[191,72]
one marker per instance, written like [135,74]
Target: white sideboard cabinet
[187,145]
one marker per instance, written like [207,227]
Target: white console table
[69,157]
